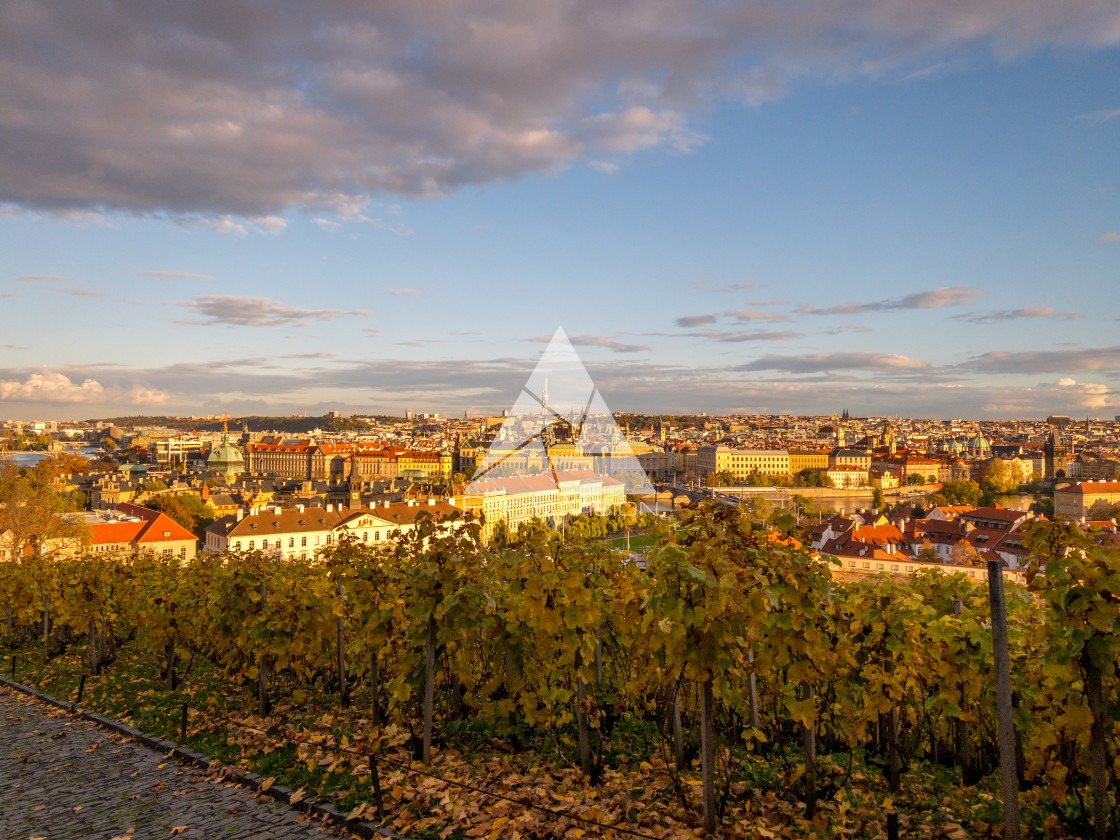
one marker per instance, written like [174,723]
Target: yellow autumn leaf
[267,783]
[297,796]
[178,829]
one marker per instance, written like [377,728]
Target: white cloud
[1108,236]
[48,387]
[327,224]
[408,292]
[606,167]
[1098,117]
[269,224]
[225,224]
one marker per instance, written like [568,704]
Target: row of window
[278,542]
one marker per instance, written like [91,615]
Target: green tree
[878,500]
[998,476]
[960,491]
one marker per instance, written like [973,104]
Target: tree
[189,511]
[959,491]
[998,476]
[723,478]
[916,479]
[878,500]
[963,554]
[55,466]
[1043,506]
[109,445]
[31,516]
[927,554]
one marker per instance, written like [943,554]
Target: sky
[888,206]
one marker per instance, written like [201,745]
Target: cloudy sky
[890,206]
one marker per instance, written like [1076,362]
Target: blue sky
[866,208]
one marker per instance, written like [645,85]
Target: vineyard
[747,689]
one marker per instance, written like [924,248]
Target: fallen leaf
[267,783]
[296,796]
[179,829]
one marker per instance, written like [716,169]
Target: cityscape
[481,419]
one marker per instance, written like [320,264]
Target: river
[30,459]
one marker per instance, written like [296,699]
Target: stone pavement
[67,779]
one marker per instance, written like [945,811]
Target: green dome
[225,459]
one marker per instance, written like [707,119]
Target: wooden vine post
[1002,661]
[262,676]
[344,696]
[429,687]
[964,740]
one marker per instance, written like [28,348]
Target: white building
[519,499]
[305,531]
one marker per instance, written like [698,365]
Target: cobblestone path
[67,779]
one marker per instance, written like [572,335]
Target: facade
[175,449]
[304,532]
[849,458]
[742,463]
[807,459]
[305,459]
[1078,499]
[143,531]
[516,500]
[847,476]
[225,460]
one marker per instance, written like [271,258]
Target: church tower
[354,484]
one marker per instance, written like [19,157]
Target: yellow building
[742,463]
[1082,498]
[807,459]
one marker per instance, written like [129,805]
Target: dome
[979,444]
[225,458]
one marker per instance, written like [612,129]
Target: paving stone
[53,785]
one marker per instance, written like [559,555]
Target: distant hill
[291,425]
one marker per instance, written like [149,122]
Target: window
[264,543]
[237,546]
[291,542]
[303,540]
[183,553]
[250,545]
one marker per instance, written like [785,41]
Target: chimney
[412,503]
[240,514]
[298,508]
[254,511]
[277,510]
[431,502]
[330,508]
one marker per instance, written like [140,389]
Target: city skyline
[727,210]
